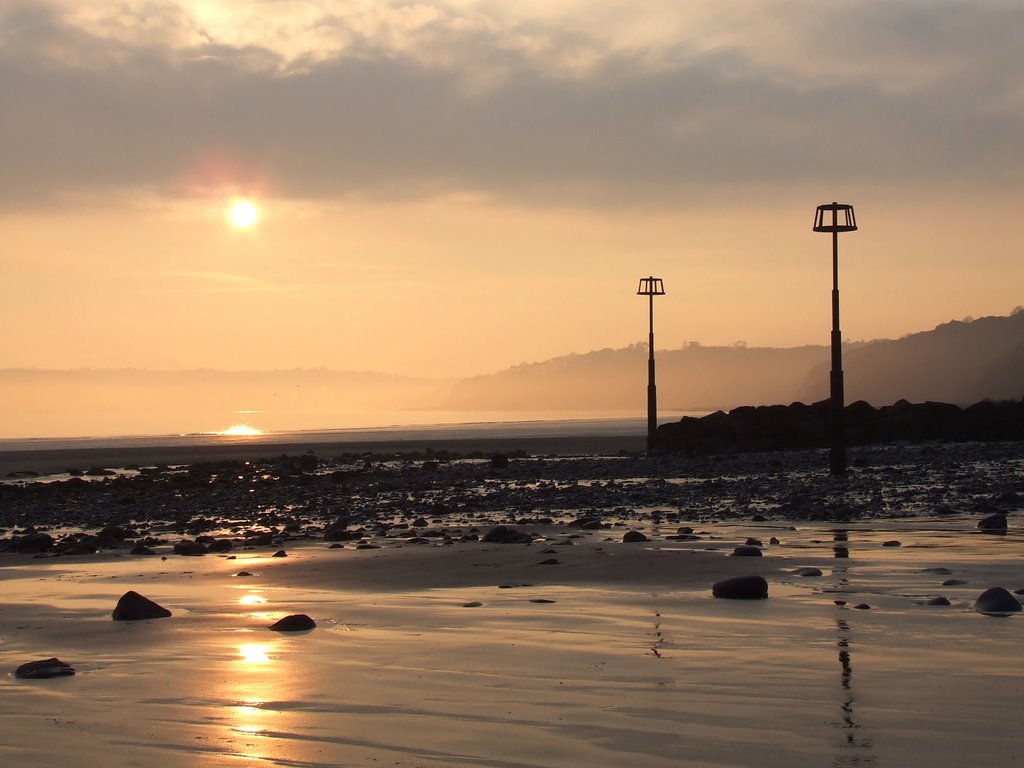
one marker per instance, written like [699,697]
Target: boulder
[996,602]
[994,522]
[631,536]
[747,551]
[298,622]
[134,607]
[503,534]
[45,668]
[31,543]
[189,548]
[807,572]
[741,588]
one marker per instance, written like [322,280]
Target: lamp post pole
[651,287]
[836,218]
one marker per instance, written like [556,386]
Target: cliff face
[958,362]
[693,378]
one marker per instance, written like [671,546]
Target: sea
[392,427]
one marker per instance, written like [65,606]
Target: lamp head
[651,286]
[835,217]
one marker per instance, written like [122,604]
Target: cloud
[545,102]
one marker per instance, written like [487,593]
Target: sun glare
[240,430]
[244,213]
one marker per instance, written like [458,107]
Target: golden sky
[451,188]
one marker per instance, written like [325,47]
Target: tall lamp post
[836,218]
[651,287]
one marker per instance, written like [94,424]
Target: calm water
[404,425]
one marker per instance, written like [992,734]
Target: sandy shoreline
[475,654]
[434,647]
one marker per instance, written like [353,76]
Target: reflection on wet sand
[855,748]
[256,681]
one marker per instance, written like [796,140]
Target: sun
[244,213]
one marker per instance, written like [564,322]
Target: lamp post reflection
[855,750]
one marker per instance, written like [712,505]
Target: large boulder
[503,534]
[996,602]
[31,543]
[741,588]
[134,607]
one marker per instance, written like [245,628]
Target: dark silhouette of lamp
[651,287]
[836,218]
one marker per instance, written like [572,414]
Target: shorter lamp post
[836,218]
[651,287]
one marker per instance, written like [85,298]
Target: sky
[451,188]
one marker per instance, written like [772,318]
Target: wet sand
[628,661]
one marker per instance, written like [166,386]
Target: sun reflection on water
[254,653]
[240,430]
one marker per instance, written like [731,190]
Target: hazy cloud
[640,102]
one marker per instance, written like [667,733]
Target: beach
[434,646]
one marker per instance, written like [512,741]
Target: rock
[994,522]
[117,532]
[892,543]
[502,534]
[31,544]
[862,607]
[140,549]
[542,600]
[747,551]
[549,561]
[953,583]
[632,536]
[996,602]
[499,461]
[586,523]
[220,545]
[298,622]
[134,607]
[741,588]
[243,573]
[341,534]
[43,669]
[474,604]
[807,572]
[189,548]
[752,542]
[280,553]
[937,601]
